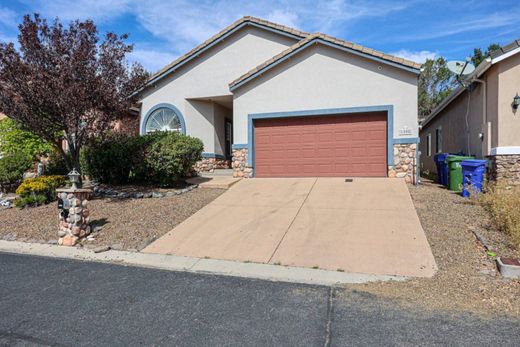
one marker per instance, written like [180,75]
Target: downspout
[485,134]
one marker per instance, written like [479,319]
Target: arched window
[163,117]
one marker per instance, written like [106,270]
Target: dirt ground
[467,279]
[120,223]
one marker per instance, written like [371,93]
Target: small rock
[157,195]
[52,242]
[10,237]
[97,228]
[117,247]
[138,195]
[101,249]
[147,195]
[69,240]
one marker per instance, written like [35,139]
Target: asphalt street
[55,302]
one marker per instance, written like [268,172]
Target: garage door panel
[343,145]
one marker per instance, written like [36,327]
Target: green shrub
[12,168]
[503,203]
[39,190]
[13,139]
[112,160]
[159,157]
[172,156]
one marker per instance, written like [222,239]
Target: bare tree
[66,82]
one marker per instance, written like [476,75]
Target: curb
[267,272]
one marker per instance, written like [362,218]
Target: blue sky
[162,30]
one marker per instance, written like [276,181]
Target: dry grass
[503,204]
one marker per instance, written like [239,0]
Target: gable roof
[330,41]
[237,25]
[494,57]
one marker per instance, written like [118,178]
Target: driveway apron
[368,225]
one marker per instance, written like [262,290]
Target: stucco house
[480,117]
[272,101]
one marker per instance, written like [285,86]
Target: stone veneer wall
[239,164]
[405,162]
[210,164]
[505,169]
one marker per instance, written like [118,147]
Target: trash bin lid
[455,158]
[441,157]
[473,162]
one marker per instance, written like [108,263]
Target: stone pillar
[240,168]
[505,168]
[74,215]
[405,162]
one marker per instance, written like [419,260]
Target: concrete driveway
[368,226]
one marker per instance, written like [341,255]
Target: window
[429,145]
[438,140]
[163,119]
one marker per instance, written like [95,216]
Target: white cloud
[182,24]
[185,23]
[152,60]
[83,9]
[7,17]
[464,25]
[283,17]
[416,56]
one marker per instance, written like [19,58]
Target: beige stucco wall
[456,136]
[322,77]
[509,86]
[209,75]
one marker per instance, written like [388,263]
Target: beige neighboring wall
[209,75]
[456,137]
[508,87]
[321,77]
[501,126]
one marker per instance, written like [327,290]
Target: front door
[229,138]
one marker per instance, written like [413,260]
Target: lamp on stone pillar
[74,178]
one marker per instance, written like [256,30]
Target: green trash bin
[455,181]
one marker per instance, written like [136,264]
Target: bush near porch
[161,157]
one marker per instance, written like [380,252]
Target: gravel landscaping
[467,279]
[119,223]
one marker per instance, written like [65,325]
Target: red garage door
[339,145]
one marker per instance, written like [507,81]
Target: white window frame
[429,145]
[438,140]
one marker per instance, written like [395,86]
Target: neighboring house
[278,102]
[480,119]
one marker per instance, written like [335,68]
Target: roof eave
[234,85]
[196,53]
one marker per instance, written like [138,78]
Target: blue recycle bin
[473,171]
[442,168]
